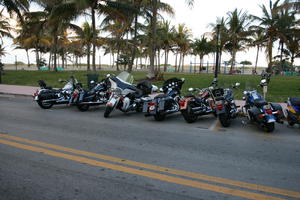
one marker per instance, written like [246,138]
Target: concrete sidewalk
[17,90]
[29,90]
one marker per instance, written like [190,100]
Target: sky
[196,19]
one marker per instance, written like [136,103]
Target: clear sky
[196,18]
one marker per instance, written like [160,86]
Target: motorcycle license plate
[112,102]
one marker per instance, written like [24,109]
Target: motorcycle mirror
[161,90]
[60,80]
[182,79]
[245,92]
[191,89]
[244,98]
[263,81]
[92,81]
[211,88]
[237,84]
[107,75]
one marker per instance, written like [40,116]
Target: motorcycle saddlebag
[48,95]
[277,107]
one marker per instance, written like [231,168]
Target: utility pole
[16,62]
[217,53]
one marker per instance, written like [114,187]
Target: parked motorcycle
[46,96]
[263,113]
[125,96]
[83,99]
[165,103]
[224,104]
[192,106]
[293,111]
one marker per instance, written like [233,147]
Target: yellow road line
[193,175]
[157,176]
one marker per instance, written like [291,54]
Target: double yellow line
[181,177]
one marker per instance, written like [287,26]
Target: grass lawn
[279,89]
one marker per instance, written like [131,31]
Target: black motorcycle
[167,103]
[83,99]
[126,96]
[224,104]
[46,96]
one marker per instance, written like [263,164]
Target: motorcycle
[259,111]
[166,103]
[83,99]
[46,96]
[125,96]
[192,106]
[223,104]
[293,111]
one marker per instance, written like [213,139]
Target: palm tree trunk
[94,37]
[63,60]
[256,60]
[152,47]
[182,69]
[37,60]
[270,54]
[158,60]
[134,42]
[166,60]
[176,55]
[180,58]
[28,61]
[55,51]
[88,57]
[49,62]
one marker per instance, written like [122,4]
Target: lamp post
[217,53]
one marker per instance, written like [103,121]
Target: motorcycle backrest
[42,83]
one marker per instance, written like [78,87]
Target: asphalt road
[63,153]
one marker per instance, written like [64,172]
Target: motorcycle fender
[112,102]
[184,103]
[277,107]
[218,112]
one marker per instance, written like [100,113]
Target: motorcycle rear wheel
[225,120]
[269,127]
[107,111]
[188,115]
[83,107]
[45,105]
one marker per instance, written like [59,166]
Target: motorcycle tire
[290,121]
[107,111]
[83,107]
[159,117]
[225,120]
[269,127]
[188,115]
[45,105]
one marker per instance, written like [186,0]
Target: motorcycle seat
[295,101]
[160,96]
[260,102]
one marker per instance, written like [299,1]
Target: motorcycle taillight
[269,111]
[219,106]
[181,103]
[152,104]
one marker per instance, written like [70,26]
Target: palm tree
[270,26]
[238,22]
[15,6]
[202,47]
[258,41]
[4,27]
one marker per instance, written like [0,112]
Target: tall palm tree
[238,34]
[4,27]
[202,47]
[258,41]
[268,21]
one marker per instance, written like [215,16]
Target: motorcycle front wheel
[269,127]
[225,120]
[188,115]
[45,105]
[107,111]
[83,107]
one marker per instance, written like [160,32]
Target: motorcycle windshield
[126,77]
